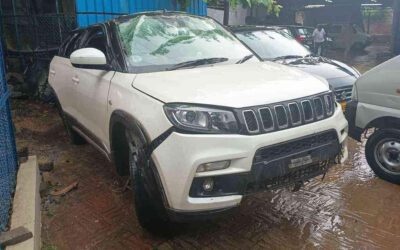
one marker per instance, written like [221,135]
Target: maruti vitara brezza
[192,115]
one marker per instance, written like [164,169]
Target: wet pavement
[350,208]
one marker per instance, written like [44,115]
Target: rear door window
[287,31]
[302,31]
[96,39]
[72,44]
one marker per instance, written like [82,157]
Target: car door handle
[75,79]
[52,72]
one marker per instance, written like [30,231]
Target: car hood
[326,68]
[237,85]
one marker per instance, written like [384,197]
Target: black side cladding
[157,142]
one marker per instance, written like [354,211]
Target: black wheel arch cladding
[152,179]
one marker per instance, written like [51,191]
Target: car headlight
[354,94]
[201,119]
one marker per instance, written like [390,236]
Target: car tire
[150,210]
[75,138]
[383,154]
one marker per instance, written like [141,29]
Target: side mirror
[88,58]
[307,46]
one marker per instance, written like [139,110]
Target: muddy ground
[351,208]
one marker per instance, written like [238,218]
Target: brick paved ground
[351,208]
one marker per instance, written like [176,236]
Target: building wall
[380,21]
[236,17]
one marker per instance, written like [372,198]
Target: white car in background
[196,119]
[376,104]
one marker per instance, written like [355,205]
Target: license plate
[343,104]
[301,161]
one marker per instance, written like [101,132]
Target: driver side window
[96,38]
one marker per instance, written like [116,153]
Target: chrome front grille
[307,110]
[328,104]
[343,94]
[281,116]
[266,119]
[251,121]
[319,108]
[293,113]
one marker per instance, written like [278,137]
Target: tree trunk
[226,12]
[396,27]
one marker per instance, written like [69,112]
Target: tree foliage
[152,29]
[271,5]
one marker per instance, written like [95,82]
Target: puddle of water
[350,208]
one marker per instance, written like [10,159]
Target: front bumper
[178,157]
[276,166]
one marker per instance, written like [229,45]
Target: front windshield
[272,44]
[158,42]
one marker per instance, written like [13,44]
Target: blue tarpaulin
[94,11]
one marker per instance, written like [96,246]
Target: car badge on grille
[343,96]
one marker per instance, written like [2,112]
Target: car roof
[239,28]
[296,26]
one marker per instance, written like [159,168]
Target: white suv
[194,117]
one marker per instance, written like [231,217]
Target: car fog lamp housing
[212,166]
[208,184]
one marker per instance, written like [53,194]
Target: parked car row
[200,116]
[338,35]
[302,34]
[275,44]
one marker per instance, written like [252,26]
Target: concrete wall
[236,17]
[26,206]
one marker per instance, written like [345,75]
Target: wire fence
[8,155]
[36,36]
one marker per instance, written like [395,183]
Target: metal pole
[16,25]
[369,20]
[396,27]
[16,29]
[58,20]
[34,24]
[226,12]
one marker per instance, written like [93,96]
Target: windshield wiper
[198,62]
[244,59]
[286,57]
